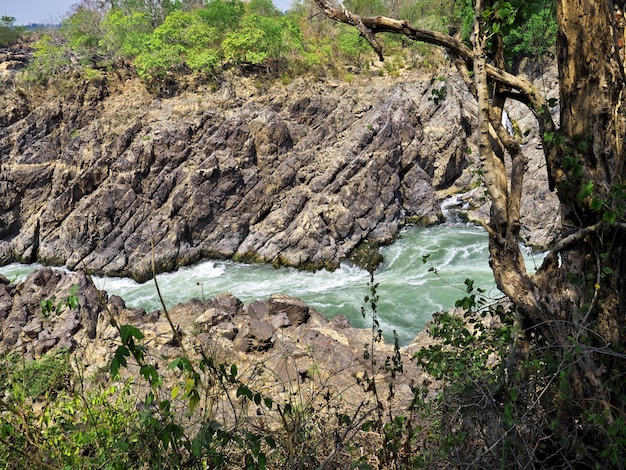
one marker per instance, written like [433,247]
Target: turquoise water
[409,292]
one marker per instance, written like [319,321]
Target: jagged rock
[225,329]
[108,177]
[255,335]
[280,334]
[295,310]
[299,175]
[33,328]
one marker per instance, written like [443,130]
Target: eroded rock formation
[102,176]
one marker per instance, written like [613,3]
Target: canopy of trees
[9,34]
[161,38]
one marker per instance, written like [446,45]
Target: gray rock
[33,328]
[296,311]
[254,336]
[297,176]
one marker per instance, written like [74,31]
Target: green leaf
[122,445]
[609,217]
[596,204]
[119,359]
[190,384]
[270,442]
[194,401]
[72,302]
[128,331]
[244,391]
[149,373]
[261,461]
[585,191]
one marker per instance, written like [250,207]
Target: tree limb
[370,26]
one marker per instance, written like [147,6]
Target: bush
[9,34]
[183,39]
[255,41]
[125,35]
[352,46]
[52,57]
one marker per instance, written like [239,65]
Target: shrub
[9,34]
[125,35]
[52,57]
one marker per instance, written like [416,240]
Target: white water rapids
[409,291]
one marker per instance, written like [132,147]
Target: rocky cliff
[100,175]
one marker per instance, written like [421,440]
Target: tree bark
[573,310]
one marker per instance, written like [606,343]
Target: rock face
[104,177]
[280,334]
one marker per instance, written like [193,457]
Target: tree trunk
[568,366]
[582,320]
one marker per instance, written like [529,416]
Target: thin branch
[177,335]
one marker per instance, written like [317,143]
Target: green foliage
[32,379]
[125,35]
[9,34]
[263,8]
[535,37]
[258,39]
[223,15]
[468,350]
[431,15]
[467,359]
[211,443]
[352,46]
[528,28]
[183,36]
[366,7]
[83,30]
[156,10]
[438,94]
[49,308]
[165,39]
[52,57]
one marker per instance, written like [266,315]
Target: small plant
[51,307]
[468,362]
[438,94]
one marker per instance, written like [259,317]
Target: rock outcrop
[102,176]
[280,334]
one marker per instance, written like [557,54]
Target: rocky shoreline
[280,334]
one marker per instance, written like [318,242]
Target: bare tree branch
[370,26]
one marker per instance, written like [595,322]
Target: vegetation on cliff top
[164,39]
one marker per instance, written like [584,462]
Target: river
[409,290]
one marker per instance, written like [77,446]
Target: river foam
[409,289]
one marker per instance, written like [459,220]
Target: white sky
[52,11]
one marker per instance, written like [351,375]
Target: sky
[52,11]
